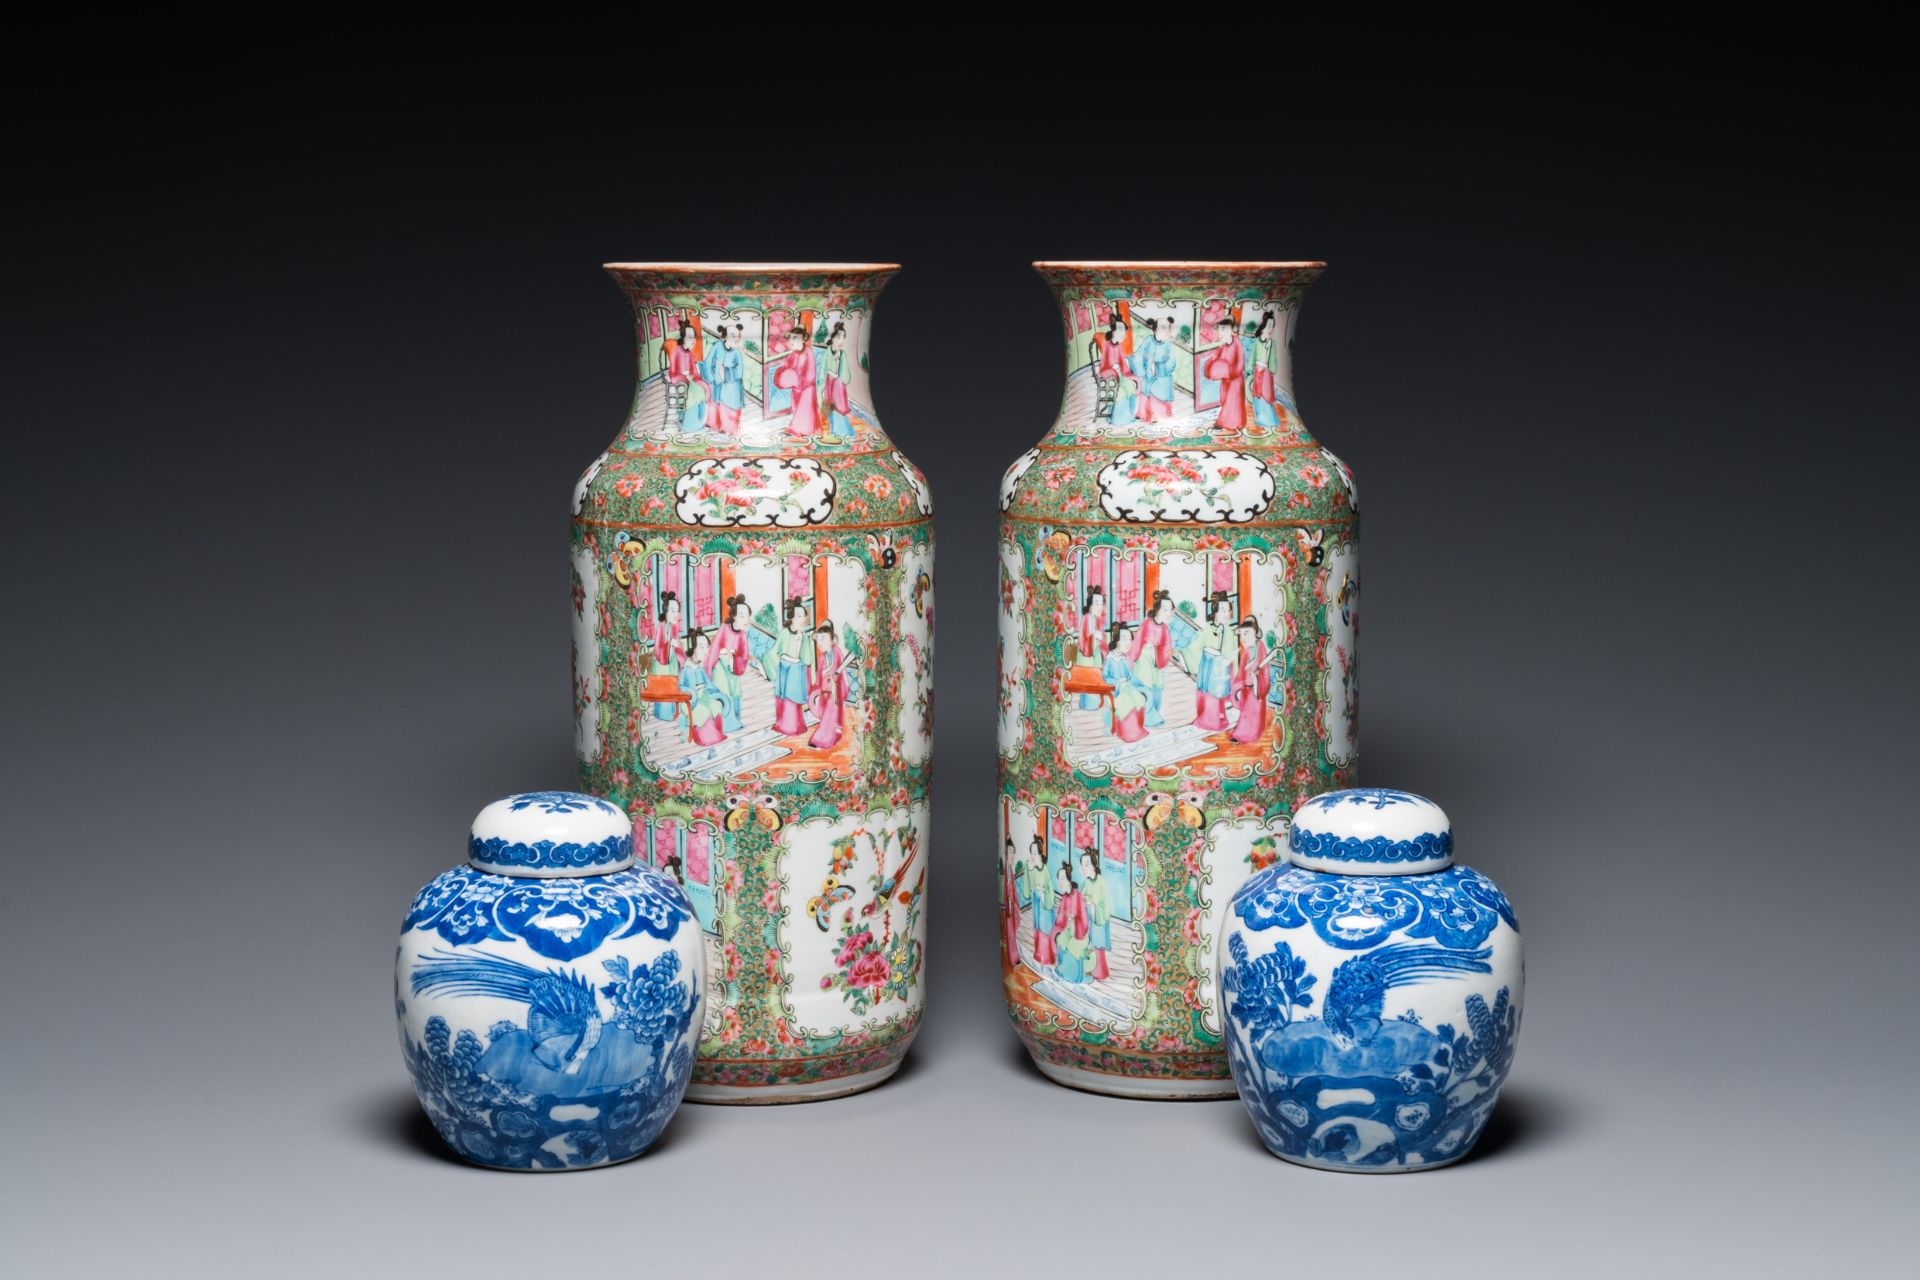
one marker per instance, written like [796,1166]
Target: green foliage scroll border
[759,999]
[1037,773]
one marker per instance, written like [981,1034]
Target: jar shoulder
[556,917]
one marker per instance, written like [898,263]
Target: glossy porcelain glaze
[1179,609]
[1373,989]
[549,991]
[753,598]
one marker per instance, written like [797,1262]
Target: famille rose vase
[1179,605]
[1373,989]
[753,648]
[549,990]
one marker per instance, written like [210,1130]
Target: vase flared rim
[757,268]
[1170,264]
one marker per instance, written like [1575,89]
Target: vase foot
[774,1094]
[1150,1090]
[1330,1167]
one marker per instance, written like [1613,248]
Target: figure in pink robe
[1093,623]
[727,660]
[1227,365]
[1092,643]
[1251,684]
[684,371]
[1129,697]
[1070,952]
[1093,887]
[796,376]
[666,652]
[827,688]
[705,708]
[1154,636]
[730,647]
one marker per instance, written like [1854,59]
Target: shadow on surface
[1523,1118]
[395,1119]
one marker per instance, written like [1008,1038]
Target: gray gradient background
[293,403]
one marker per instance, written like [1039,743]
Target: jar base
[775,1094]
[1329,1167]
[1148,1090]
[546,1168]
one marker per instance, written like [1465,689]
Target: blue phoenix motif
[571,1087]
[1353,1088]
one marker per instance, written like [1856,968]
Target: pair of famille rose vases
[753,629]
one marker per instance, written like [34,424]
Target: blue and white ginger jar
[549,991]
[1372,989]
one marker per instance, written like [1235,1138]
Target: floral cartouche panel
[753,648]
[1179,607]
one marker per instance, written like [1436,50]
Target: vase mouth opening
[757,268]
[1172,264]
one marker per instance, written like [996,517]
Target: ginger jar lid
[551,833]
[1371,831]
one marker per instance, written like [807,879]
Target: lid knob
[1371,831]
[551,833]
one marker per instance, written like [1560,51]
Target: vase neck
[1180,351]
[764,359]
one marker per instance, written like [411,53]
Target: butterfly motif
[1173,807]
[1310,545]
[627,552]
[1053,552]
[764,810]
[884,551]
[820,906]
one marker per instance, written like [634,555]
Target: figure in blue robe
[1154,360]
[722,370]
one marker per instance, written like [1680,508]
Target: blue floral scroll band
[546,854]
[1425,847]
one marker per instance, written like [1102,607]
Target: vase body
[549,991]
[753,644]
[1373,989]
[1179,605]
